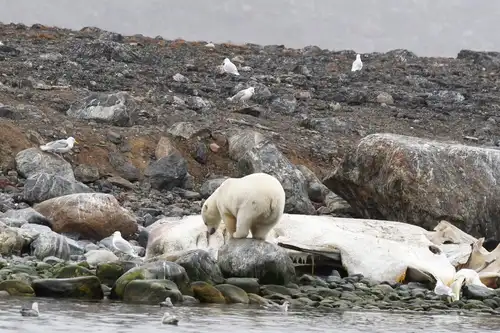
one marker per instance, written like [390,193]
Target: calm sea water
[427,27]
[72,316]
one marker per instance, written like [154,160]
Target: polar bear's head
[210,215]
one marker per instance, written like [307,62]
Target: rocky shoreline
[157,135]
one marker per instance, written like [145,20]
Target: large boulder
[33,161]
[93,216]
[117,109]
[266,157]
[255,258]
[157,270]
[85,287]
[419,181]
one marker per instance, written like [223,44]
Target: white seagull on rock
[59,146]
[357,64]
[243,95]
[33,312]
[122,245]
[229,67]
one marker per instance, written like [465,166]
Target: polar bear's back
[260,187]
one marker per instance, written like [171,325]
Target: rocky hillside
[153,122]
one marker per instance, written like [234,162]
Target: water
[427,27]
[75,317]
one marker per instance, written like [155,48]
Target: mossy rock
[109,273]
[83,287]
[206,293]
[158,270]
[151,292]
[84,264]
[72,271]
[17,288]
[233,294]
[23,269]
[256,299]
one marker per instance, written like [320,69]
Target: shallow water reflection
[64,316]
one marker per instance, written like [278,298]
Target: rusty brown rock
[92,215]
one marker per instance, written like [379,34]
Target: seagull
[229,67]
[243,95]
[59,146]
[169,319]
[210,45]
[167,303]
[122,245]
[33,312]
[357,64]
[283,307]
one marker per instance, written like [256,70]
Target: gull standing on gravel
[59,146]
[33,312]
[357,64]
[122,245]
[243,95]
[229,67]
[167,303]
[169,319]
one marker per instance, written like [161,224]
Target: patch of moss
[121,283]
[72,271]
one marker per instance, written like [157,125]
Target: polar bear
[252,203]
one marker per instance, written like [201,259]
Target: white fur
[254,203]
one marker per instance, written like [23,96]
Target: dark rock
[250,285]
[210,186]
[123,167]
[478,292]
[249,257]
[168,172]
[200,266]
[87,287]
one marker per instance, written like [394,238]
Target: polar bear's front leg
[243,223]
[230,223]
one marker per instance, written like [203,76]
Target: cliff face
[131,100]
